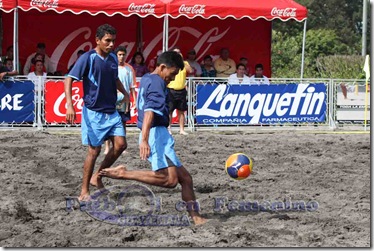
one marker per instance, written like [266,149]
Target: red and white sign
[55,103]
[145,8]
[266,9]
[244,38]
[286,13]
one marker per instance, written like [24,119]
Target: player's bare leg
[188,195]
[119,145]
[166,177]
[88,166]
[344,90]
[181,118]
[107,146]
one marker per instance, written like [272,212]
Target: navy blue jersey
[153,96]
[99,80]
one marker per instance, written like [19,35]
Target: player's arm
[123,91]
[188,67]
[144,148]
[132,87]
[70,112]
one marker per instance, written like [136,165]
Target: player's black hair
[171,59]
[105,29]
[259,66]
[120,48]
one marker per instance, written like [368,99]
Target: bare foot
[114,172]
[197,219]
[84,197]
[96,181]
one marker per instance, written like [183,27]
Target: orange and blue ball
[238,166]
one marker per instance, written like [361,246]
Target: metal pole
[164,35]
[303,52]
[364,27]
[15,42]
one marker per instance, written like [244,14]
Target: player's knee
[171,182]
[94,152]
[186,179]
[123,146]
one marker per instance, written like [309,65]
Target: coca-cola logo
[197,9]
[44,3]
[286,12]
[59,107]
[145,8]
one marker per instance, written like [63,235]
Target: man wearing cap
[40,48]
[191,56]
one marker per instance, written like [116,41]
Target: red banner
[55,103]
[244,38]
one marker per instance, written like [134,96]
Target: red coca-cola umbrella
[126,8]
[7,5]
[238,9]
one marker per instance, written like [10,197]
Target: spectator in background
[38,71]
[224,65]
[153,61]
[191,56]
[126,75]
[244,61]
[207,69]
[239,77]
[34,76]
[137,62]
[5,72]
[8,63]
[38,57]
[178,95]
[9,55]
[40,48]
[258,77]
[79,53]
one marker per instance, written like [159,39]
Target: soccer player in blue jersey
[100,120]
[156,144]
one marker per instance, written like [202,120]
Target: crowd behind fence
[212,102]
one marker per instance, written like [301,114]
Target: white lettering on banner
[265,104]
[197,9]
[44,3]
[11,102]
[77,103]
[145,8]
[286,12]
[57,53]
[1,4]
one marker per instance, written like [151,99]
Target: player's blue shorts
[162,149]
[98,126]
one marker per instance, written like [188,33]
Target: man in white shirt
[239,77]
[191,59]
[258,78]
[40,48]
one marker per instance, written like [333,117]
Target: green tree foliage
[333,28]
[343,67]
